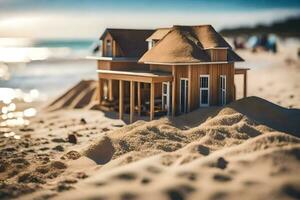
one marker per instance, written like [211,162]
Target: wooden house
[166,71]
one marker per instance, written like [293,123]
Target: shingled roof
[187,44]
[159,34]
[132,42]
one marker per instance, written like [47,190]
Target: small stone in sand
[59,148]
[221,163]
[83,121]
[222,177]
[26,129]
[203,150]
[72,138]
[58,140]
[145,180]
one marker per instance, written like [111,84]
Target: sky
[86,19]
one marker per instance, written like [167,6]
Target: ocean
[47,66]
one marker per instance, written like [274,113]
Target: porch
[243,72]
[137,89]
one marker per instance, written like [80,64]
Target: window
[108,48]
[151,44]
[204,90]
[166,97]
[223,89]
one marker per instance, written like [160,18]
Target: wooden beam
[132,88]
[127,77]
[110,90]
[245,84]
[152,89]
[100,90]
[174,91]
[234,92]
[114,48]
[139,99]
[189,87]
[121,99]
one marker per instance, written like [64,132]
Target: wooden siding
[128,66]
[217,54]
[162,68]
[215,72]
[102,64]
[116,51]
[193,73]
[114,65]
[181,71]
[196,71]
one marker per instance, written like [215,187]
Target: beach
[248,149]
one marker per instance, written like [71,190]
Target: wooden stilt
[189,96]
[152,101]
[110,90]
[139,99]
[245,84]
[100,90]
[174,91]
[234,92]
[121,99]
[132,100]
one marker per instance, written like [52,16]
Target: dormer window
[151,44]
[108,48]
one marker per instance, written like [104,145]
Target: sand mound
[82,95]
[269,114]
[101,152]
[227,128]
[231,154]
[226,152]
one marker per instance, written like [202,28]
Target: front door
[223,89]
[166,97]
[184,95]
[204,90]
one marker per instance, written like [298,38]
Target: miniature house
[167,71]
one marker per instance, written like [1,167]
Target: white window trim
[109,53]
[200,90]
[223,90]
[185,96]
[150,44]
[166,95]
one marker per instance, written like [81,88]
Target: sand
[249,149]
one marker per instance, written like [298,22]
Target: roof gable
[159,34]
[132,42]
[209,37]
[175,47]
[187,44]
